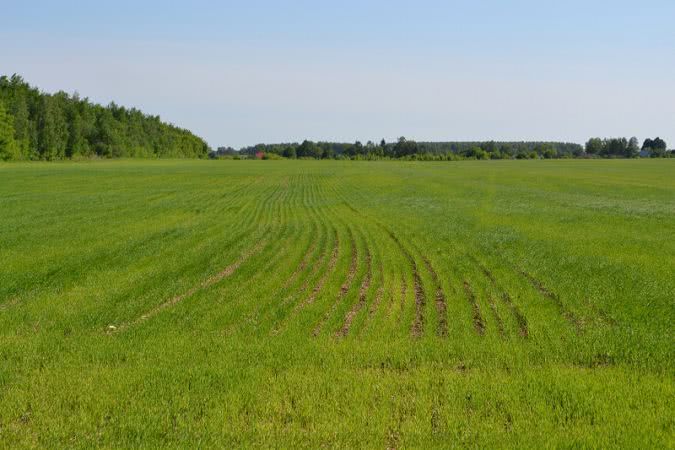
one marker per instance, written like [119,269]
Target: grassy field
[329,304]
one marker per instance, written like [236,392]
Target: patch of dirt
[379,294]
[315,290]
[361,302]
[441,305]
[343,289]
[418,325]
[478,321]
[376,303]
[506,299]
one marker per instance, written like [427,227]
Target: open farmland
[339,304]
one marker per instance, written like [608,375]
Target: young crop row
[318,267]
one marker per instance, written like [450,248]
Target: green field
[337,304]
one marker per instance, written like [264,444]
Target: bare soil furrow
[361,302]
[441,305]
[506,299]
[343,289]
[418,324]
[478,321]
[376,303]
[375,306]
[417,327]
[315,290]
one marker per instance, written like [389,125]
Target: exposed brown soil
[379,294]
[226,272]
[343,289]
[418,325]
[417,328]
[376,303]
[361,302]
[441,305]
[478,321]
[506,299]
[317,287]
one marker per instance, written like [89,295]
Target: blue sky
[240,73]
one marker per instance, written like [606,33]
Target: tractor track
[378,296]
[417,328]
[361,302]
[441,304]
[344,288]
[506,299]
[478,321]
[315,290]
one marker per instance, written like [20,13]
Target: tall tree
[52,129]
[8,147]
[594,146]
[633,148]
[647,145]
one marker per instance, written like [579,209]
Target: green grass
[482,304]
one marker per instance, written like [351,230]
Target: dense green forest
[434,151]
[39,126]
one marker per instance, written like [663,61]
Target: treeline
[435,151]
[409,149]
[39,126]
[627,148]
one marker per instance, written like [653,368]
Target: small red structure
[259,155]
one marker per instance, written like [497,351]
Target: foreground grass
[486,304]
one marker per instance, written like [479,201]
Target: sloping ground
[310,304]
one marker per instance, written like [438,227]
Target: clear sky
[241,73]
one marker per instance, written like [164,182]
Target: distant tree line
[39,126]
[442,151]
[623,148]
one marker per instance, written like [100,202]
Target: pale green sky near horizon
[240,73]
